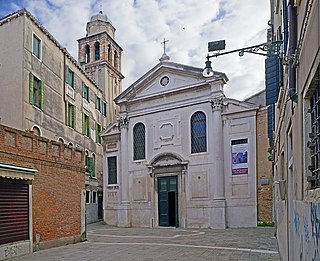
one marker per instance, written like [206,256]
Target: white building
[181,153]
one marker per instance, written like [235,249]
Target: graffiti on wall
[306,219]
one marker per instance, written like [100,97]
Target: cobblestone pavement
[146,244]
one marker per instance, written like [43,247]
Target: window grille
[139,140]
[314,144]
[198,133]
[112,170]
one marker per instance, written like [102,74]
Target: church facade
[181,154]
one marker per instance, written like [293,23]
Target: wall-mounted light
[208,72]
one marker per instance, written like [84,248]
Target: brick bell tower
[100,55]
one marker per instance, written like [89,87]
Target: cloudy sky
[188,25]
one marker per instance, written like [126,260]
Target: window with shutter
[98,103]
[104,109]
[85,125]
[93,166]
[98,130]
[36,91]
[36,46]
[85,91]
[70,115]
[69,77]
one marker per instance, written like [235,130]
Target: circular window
[164,80]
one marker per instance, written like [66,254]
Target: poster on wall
[239,150]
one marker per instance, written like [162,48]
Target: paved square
[146,244]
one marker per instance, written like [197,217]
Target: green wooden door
[168,201]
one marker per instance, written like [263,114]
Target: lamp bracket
[269,49]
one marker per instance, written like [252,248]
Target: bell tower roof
[100,23]
[100,17]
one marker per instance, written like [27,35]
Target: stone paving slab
[167,244]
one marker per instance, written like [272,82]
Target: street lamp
[266,49]
[208,72]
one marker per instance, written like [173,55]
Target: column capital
[217,103]
[123,122]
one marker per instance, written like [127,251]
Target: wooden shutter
[67,74]
[41,95]
[83,90]
[83,124]
[31,88]
[74,117]
[93,166]
[273,79]
[67,113]
[88,128]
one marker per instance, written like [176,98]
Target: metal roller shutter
[14,210]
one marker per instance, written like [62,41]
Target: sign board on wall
[239,150]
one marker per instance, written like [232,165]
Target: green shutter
[72,80]
[92,167]
[74,117]
[31,88]
[83,88]
[88,128]
[83,124]
[97,132]
[89,165]
[67,113]
[41,95]
[67,73]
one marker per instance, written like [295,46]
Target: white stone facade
[171,186]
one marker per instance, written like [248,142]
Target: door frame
[181,208]
[176,200]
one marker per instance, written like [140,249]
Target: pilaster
[218,217]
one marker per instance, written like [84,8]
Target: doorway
[168,201]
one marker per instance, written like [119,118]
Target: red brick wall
[264,168]
[57,186]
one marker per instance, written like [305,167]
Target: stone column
[123,211]
[218,219]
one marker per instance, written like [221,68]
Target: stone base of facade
[123,216]
[56,243]
[218,214]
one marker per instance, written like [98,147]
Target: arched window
[115,59]
[109,52]
[70,145]
[87,50]
[139,141]
[198,132]
[97,51]
[36,130]
[61,140]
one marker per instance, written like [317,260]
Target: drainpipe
[292,10]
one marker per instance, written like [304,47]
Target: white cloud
[142,24]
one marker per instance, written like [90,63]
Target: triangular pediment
[111,130]
[167,77]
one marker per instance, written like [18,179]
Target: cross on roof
[164,44]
